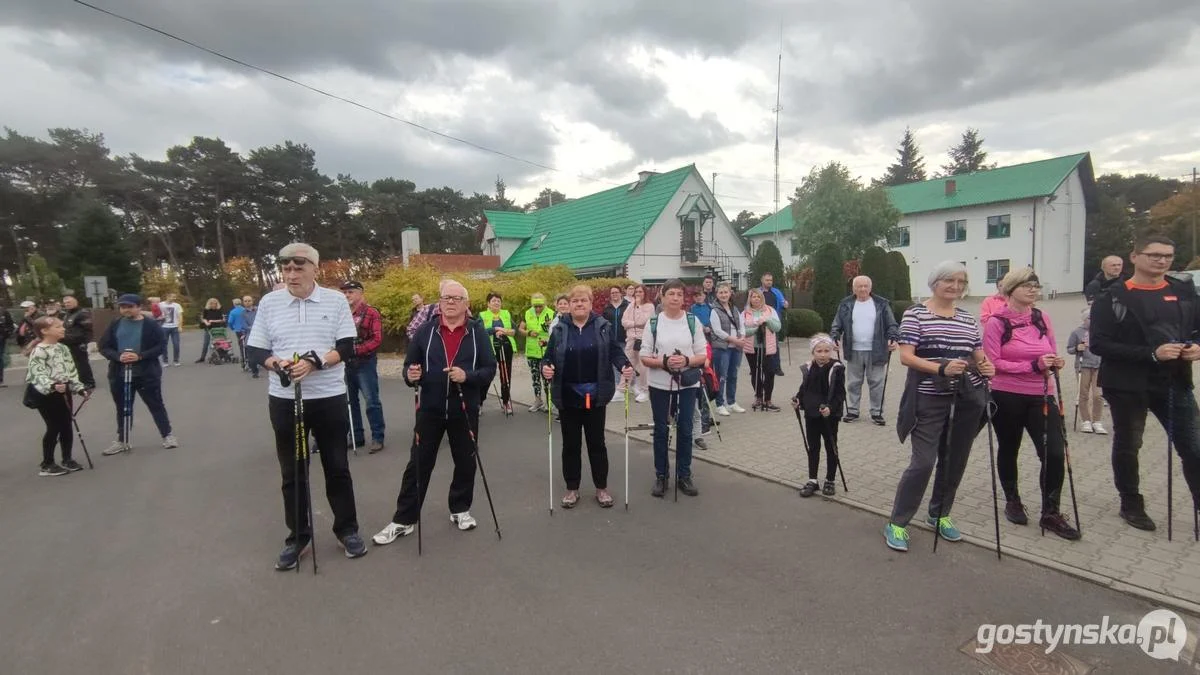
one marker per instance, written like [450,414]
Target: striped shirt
[287,326]
[938,337]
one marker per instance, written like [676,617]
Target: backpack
[1035,318]
[691,319]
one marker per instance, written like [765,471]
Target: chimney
[643,176]
[410,243]
[951,187]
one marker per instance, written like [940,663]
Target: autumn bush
[803,322]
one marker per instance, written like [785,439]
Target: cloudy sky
[598,90]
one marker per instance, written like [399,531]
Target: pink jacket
[754,322]
[991,305]
[634,320]
[1015,372]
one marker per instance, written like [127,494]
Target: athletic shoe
[353,545]
[169,442]
[770,407]
[686,486]
[642,397]
[199,360]
[52,470]
[660,487]
[1056,523]
[392,532]
[852,417]
[116,448]
[1014,510]
[508,410]
[946,528]
[178,364]
[376,446]
[71,465]
[1086,427]
[291,554]
[896,537]
[878,420]
[723,411]
[810,488]
[705,429]
[1099,428]
[463,520]
[827,488]
[700,443]
[736,408]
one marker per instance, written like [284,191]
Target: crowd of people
[1001,371]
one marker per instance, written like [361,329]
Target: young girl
[52,375]
[821,395]
[1087,368]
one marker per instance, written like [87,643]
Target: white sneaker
[169,442]
[116,448]
[392,532]
[1099,428]
[178,364]
[618,397]
[642,397]
[737,408]
[723,411]
[463,520]
[1086,427]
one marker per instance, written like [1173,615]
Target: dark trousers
[577,424]
[57,415]
[150,389]
[504,358]
[326,420]
[79,355]
[429,431]
[1015,415]
[818,430]
[1129,410]
[665,404]
[3,357]
[764,367]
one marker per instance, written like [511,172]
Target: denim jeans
[363,378]
[726,363]
[661,406]
[172,336]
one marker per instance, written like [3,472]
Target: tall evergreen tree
[909,166]
[968,155]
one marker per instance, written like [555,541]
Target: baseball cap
[129,299]
[27,304]
[352,286]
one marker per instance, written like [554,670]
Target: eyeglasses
[297,261]
[452,298]
[1031,286]
[1159,257]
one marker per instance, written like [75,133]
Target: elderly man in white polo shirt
[305,332]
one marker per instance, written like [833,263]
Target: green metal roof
[1005,184]
[511,224]
[600,230]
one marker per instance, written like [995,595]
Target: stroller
[222,346]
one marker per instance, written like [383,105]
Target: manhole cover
[1027,660]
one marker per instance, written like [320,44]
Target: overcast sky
[600,90]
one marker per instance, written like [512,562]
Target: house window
[956,230]
[795,247]
[538,244]
[899,238]
[996,269]
[999,226]
[491,247]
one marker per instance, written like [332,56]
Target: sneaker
[896,537]
[1086,427]
[946,527]
[851,417]
[508,410]
[705,429]
[700,443]
[827,488]
[178,364]
[463,520]
[1099,428]
[353,545]
[116,448]
[686,486]
[1058,524]
[1014,511]
[291,554]
[770,407]
[52,470]
[376,446]
[878,420]
[660,487]
[810,488]
[642,397]
[169,442]
[736,408]
[200,360]
[392,532]
[537,405]
[71,465]
[723,411]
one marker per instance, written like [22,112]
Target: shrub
[899,307]
[829,285]
[803,323]
[766,260]
[875,265]
[899,273]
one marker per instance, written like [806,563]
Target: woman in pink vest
[634,321]
[761,348]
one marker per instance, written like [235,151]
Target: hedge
[803,323]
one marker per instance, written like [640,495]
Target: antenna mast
[778,107]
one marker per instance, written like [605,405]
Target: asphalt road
[160,561]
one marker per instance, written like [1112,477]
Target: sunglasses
[297,261]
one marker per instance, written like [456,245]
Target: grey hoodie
[1084,359]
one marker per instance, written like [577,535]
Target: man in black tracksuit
[1144,330]
[450,361]
[78,324]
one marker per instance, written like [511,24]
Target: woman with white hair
[942,347]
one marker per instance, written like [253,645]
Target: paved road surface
[161,562]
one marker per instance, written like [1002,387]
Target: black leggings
[1015,415]
[57,416]
[577,424]
[504,358]
[816,429]
[764,389]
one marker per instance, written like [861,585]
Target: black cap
[352,286]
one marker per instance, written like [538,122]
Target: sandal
[604,499]
[570,499]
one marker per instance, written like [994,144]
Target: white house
[1026,214]
[662,226]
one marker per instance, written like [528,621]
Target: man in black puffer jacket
[1110,271]
[78,323]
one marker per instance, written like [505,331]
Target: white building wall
[1060,238]
[504,247]
[784,242]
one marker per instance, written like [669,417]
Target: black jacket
[1099,283]
[154,342]
[599,333]
[822,386]
[438,395]
[1126,344]
[78,324]
[613,316]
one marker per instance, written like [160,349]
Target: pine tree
[767,260]
[829,286]
[968,155]
[875,265]
[909,166]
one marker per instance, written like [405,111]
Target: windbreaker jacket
[439,396]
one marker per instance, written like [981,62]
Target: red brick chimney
[951,187]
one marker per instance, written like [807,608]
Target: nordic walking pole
[302,468]
[987,411]
[462,401]
[837,456]
[350,416]
[626,447]
[1062,423]
[672,427]
[127,418]
[1045,438]
[1170,458]
[416,451]
[712,409]
[944,442]
[887,370]
[75,422]
[1078,395]
[549,443]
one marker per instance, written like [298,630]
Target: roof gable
[511,224]
[780,221]
[1005,184]
[598,230]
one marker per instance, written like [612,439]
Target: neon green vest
[505,320]
[540,325]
